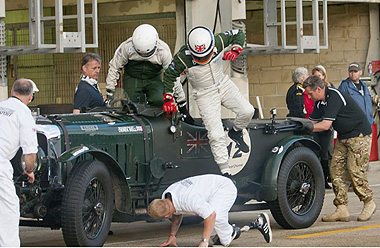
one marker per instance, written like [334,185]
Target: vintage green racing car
[108,164]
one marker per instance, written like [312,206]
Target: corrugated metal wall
[57,75]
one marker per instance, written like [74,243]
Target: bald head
[22,89]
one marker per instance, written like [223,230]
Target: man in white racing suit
[144,56]
[17,130]
[201,60]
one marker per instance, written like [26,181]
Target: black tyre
[87,205]
[301,190]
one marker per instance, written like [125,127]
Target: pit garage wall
[57,75]
[270,75]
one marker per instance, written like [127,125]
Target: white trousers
[9,214]
[209,101]
[222,202]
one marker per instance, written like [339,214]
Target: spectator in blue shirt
[358,90]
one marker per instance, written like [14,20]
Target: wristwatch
[204,240]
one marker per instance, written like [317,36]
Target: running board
[249,207]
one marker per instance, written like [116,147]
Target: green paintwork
[117,136]
[75,152]
[115,140]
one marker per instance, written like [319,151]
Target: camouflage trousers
[349,164]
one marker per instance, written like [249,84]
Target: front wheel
[301,190]
[87,205]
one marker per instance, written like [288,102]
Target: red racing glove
[232,55]
[169,106]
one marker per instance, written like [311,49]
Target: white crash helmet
[144,40]
[201,42]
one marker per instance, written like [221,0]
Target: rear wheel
[87,205]
[301,190]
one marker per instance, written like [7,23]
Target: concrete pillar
[374,53]
[181,25]
[374,30]
[2,8]
[3,93]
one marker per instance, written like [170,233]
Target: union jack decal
[197,143]
[200,48]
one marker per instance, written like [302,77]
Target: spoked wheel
[87,205]
[301,190]
[299,184]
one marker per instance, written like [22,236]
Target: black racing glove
[186,117]
[309,127]
[110,97]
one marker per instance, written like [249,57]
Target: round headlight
[37,164]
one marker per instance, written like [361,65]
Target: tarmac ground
[320,234]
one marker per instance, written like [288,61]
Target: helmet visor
[148,54]
[202,60]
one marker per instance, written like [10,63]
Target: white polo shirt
[191,196]
[17,129]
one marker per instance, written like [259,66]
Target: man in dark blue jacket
[358,90]
[87,93]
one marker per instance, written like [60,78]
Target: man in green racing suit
[201,60]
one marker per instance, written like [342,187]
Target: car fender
[274,160]
[123,199]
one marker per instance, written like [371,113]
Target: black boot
[326,173]
[237,136]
